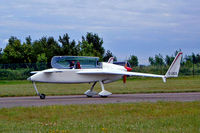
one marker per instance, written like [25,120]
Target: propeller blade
[124,79]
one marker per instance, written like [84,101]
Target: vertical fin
[175,66]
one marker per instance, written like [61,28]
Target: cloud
[138,14]
[138,23]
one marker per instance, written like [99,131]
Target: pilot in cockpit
[78,65]
[71,66]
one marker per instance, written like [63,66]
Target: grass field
[161,117]
[165,117]
[133,85]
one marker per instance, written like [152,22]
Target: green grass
[133,85]
[165,117]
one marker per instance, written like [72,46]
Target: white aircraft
[89,70]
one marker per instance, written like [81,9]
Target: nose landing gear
[42,96]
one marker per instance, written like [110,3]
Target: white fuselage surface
[54,75]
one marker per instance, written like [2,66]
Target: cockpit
[75,62]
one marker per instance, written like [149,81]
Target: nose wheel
[42,96]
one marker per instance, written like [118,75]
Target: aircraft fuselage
[71,76]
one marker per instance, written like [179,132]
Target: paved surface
[82,99]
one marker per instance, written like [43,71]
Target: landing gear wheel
[88,96]
[42,96]
[103,96]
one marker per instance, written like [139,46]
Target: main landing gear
[42,96]
[103,93]
[88,93]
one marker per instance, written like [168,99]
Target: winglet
[111,59]
[175,66]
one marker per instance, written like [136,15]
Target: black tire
[104,96]
[42,96]
[88,96]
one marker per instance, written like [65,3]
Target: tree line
[44,49]
[187,60]
[18,58]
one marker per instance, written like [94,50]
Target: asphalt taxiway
[82,99]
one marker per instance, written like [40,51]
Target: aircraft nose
[29,78]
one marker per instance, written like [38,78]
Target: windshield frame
[63,62]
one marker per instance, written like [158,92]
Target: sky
[128,27]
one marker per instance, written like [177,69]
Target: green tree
[133,60]
[37,49]
[41,61]
[13,51]
[169,60]
[28,40]
[86,49]
[188,60]
[28,55]
[52,48]
[152,61]
[97,42]
[198,58]
[108,55]
[49,46]
[194,58]
[68,48]
[159,60]
[41,58]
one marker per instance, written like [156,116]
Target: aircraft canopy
[63,62]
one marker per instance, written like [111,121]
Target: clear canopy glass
[64,62]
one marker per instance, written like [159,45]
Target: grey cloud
[138,21]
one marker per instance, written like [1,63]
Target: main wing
[101,71]
[119,73]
